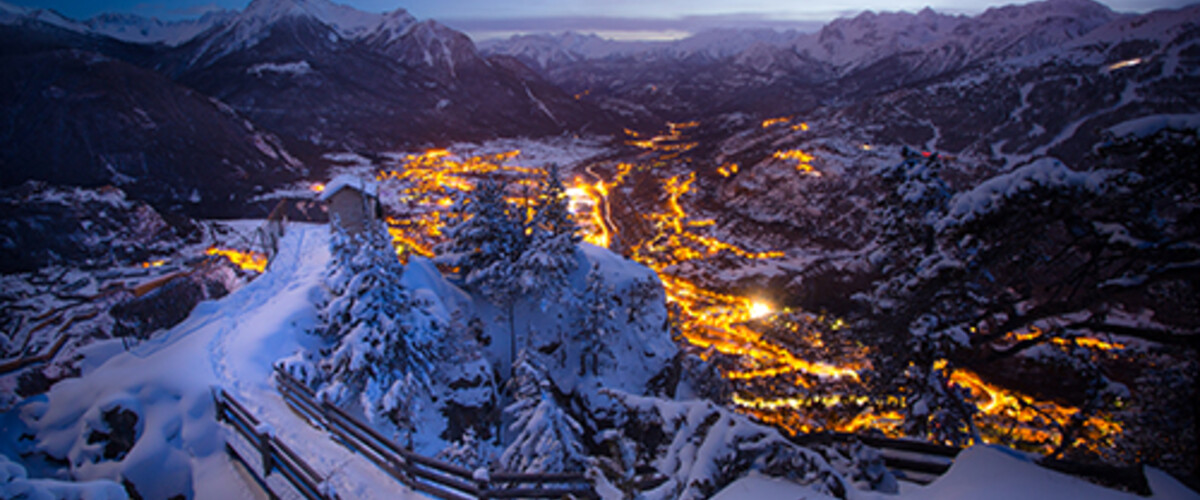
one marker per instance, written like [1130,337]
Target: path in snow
[232,343]
[266,321]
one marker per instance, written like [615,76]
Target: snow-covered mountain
[125,27]
[296,77]
[850,60]
[846,43]
[354,80]
[544,51]
[11,14]
[140,29]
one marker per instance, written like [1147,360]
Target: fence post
[483,481]
[264,450]
[218,403]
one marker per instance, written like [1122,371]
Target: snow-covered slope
[164,384]
[982,472]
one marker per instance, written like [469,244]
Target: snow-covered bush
[468,452]
[861,464]
[701,448]
[547,438]
[16,484]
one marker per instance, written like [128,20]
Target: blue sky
[620,18]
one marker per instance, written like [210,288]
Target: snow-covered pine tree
[486,242]
[702,447]
[553,212]
[547,438]
[342,248]
[598,311]
[384,343]
[543,270]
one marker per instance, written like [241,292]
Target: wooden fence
[434,477]
[272,454]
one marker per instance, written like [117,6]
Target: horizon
[621,20]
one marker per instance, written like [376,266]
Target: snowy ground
[80,297]
[982,472]
[229,343]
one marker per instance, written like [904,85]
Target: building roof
[369,188]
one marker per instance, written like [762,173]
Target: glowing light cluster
[249,261]
[712,319]
[671,141]
[803,161]
[428,184]
[1011,415]
[585,203]
[717,322]
[775,121]
[1088,342]
[1125,64]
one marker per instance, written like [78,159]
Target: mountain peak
[1079,9]
[348,21]
[393,25]
[11,13]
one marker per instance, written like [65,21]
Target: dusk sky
[616,18]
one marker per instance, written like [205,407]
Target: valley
[960,229]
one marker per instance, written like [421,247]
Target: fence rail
[434,477]
[273,454]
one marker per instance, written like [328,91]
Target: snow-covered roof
[349,181]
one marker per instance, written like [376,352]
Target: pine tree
[543,270]
[385,344]
[342,248]
[593,325]
[554,213]
[486,242]
[547,439]
[485,245]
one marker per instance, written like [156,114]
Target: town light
[759,309]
